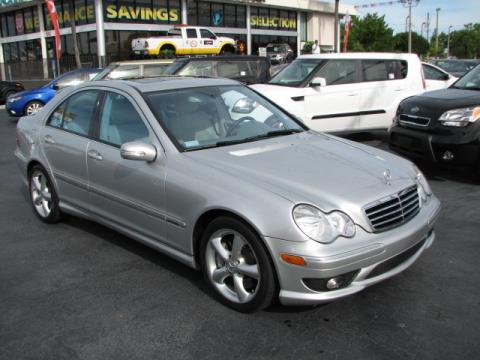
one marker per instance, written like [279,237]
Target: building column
[184,12]
[100,33]
[249,32]
[299,32]
[43,41]
[2,64]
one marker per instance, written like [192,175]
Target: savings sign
[129,13]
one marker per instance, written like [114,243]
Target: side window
[56,118]
[197,68]
[191,33]
[154,69]
[375,70]
[432,74]
[80,109]
[230,69]
[206,34]
[120,122]
[337,72]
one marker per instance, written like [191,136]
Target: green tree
[465,43]
[420,45]
[442,44]
[370,33]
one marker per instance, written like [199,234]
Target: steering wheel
[236,124]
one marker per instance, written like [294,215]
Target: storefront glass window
[11,24]
[3,24]
[217,15]
[204,13]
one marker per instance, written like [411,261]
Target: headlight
[424,190]
[322,227]
[460,117]
[14,98]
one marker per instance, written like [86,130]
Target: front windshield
[213,116]
[470,81]
[456,66]
[296,73]
[173,68]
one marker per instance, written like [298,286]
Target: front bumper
[384,255]
[462,145]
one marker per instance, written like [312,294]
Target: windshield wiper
[248,139]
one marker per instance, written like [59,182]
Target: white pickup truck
[189,40]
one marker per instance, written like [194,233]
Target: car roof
[360,55]
[142,62]
[163,83]
[224,58]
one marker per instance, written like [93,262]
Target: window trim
[357,76]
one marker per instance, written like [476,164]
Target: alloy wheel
[41,194]
[232,266]
[33,107]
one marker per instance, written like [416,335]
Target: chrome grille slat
[394,210]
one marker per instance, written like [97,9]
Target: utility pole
[410,3]
[436,33]
[335,49]
[448,42]
[407,21]
[421,31]
[74,37]
[428,28]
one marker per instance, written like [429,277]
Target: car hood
[313,168]
[225,39]
[35,91]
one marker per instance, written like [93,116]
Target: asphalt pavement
[78,290]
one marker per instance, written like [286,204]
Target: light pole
[407,21]
[428,28]
[436,33]
[448,42]
[410,3]
[421,31]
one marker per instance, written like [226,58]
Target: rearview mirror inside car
[139,151]
[244,106]
[318,81]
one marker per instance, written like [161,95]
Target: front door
[66,139]
[129,193]
[208,42]
[333,107]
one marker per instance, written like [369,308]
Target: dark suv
[441,126]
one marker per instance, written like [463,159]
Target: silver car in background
[211,173]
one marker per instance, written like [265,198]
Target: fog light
[333,283]
[448,155]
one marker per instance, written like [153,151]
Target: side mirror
[139,151]
[318,81]
[446,77]
[55,87]
[214,37]
[244,106]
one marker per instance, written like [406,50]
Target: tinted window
[191,33]
[154,69]
[337,72]
[375,70]
[79,112]
[120,122]
[432,74]
[237,69]
[297,72]
[197,68]
[206,34]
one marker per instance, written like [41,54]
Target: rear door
[334,107]
[131,194]
[383,82]
[65,141]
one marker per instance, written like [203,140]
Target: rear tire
[43,196]
[236,265]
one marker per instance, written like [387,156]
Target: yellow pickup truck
[188,40]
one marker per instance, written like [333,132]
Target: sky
[453,12]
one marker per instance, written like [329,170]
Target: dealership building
[105,28]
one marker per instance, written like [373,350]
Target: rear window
[238,69]
[383,70]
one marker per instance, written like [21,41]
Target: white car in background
[437,78]
[346,92]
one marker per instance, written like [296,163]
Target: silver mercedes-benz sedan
[213,174]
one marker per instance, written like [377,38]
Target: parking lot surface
[78,290]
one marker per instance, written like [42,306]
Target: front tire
[236,266]
[43,196]
[32,107]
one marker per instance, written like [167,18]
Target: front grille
[405,119]
[393,210]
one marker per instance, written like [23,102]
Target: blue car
[29,102]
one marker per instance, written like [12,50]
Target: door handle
[49,139]
[94,154]
[352,94]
